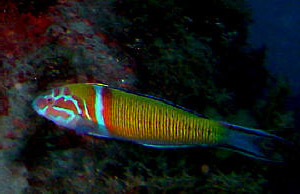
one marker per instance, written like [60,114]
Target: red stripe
[56,92]
[66,104]
[107,105]
[53,112]
[67,91]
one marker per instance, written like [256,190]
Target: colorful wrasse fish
[102,111]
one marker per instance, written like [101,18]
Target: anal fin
[163,146]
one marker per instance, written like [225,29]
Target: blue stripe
[99,109]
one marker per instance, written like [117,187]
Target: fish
[102,111]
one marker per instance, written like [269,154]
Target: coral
[21,33]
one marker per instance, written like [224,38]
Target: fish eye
[49,100]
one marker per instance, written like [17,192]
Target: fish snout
[42,102]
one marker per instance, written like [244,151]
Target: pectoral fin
[84,126]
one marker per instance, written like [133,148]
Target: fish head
[59,106]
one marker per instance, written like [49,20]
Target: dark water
[276,26]
[198,57]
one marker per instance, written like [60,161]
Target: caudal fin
[254,143]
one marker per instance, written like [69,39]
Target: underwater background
[195,54]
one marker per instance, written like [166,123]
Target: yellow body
[142,118]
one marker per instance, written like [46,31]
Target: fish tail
[254,143]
